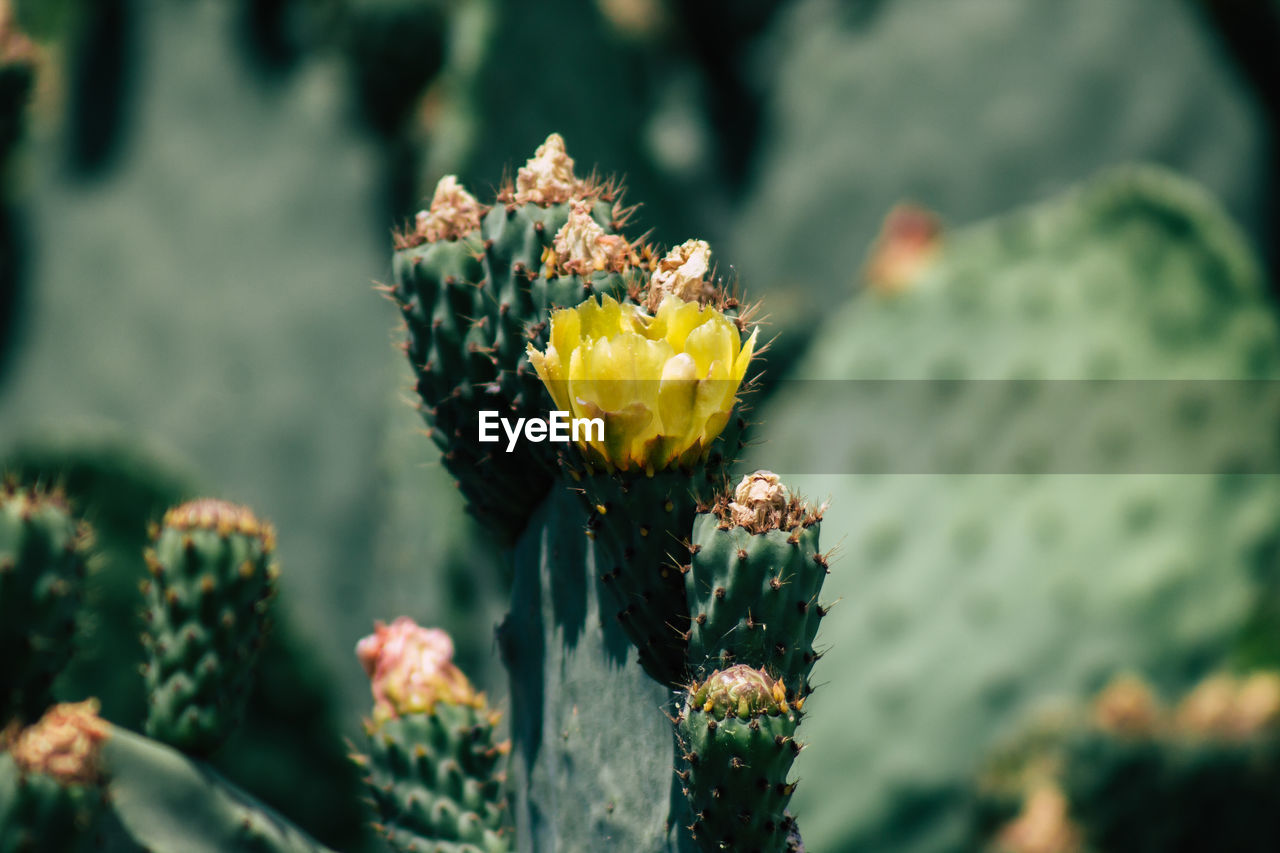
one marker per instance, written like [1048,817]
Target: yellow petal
[676,393]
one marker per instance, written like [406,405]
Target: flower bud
[411,668]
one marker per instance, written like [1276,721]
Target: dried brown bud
[547,178]
[683,272]
[582,246]
[453,213]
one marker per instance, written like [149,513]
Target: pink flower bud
[410,668]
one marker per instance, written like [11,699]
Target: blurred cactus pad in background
[1024,388]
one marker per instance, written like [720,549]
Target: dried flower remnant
[547,178]
[682,272]
[65,743]
[453,213]
[582,247]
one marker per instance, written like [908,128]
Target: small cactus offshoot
[213,576]
[43,554]
[434,770]
[753,581]
[737,732]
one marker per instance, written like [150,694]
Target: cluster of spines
[212,577]
[753,581]
[436,782]
[43,563]
[736,731]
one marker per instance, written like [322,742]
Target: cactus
[468,282]
[71,780]
[643,474]
[737,732]
[42,570]
[433,765]
[289,730]
[49,778]
[1000,556]
[655,351]
[1134,775]
[212,579]
[863,107]
[753,581]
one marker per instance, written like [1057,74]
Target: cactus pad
[436,781]
[42,570]
[737,732]
[997,556]
[475,284]
[212,578]
[753,582]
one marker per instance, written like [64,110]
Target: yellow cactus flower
[663,383]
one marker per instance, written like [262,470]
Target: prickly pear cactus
[646,355]
[212,578]
[864,107]
[1136,775]
[753,580]
[50,794]
[71,780]
[435,768]
[996,557]
[737,732]
[665,432]
[471,285]
[43,552]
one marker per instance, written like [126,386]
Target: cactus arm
[166,802]
[591,750]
